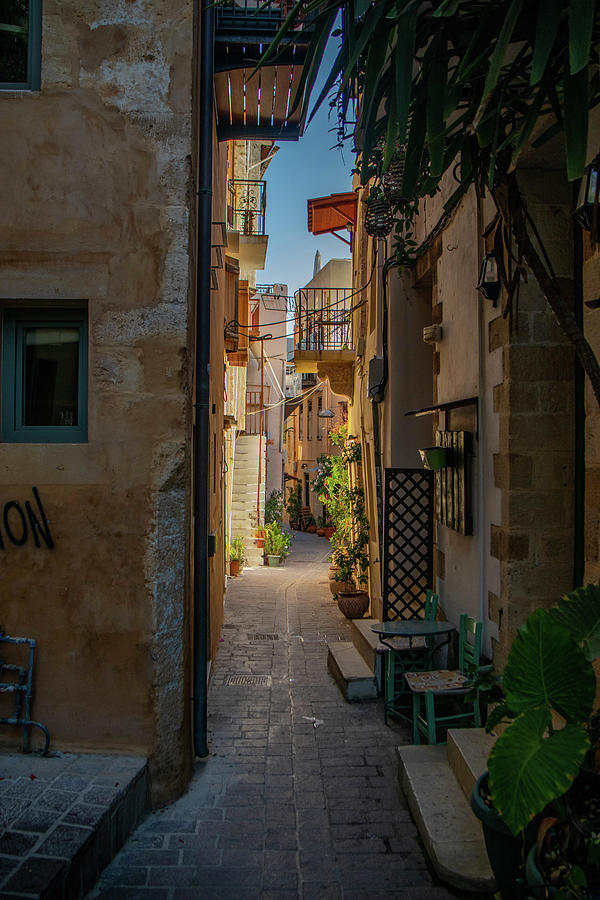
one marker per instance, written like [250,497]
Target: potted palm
[236,555]
[545,767]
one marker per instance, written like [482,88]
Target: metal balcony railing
[323,319]
[251,17]
[246,206]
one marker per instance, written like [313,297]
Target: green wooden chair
[403,653]
[430,689]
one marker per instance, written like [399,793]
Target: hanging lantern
[392,180]
[489,280]
[587,208]
[378,218]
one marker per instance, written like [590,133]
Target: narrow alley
[299,796]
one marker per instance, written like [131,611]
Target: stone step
[353,676]
[467,751]
[62,857]
[449,829]
[368,645]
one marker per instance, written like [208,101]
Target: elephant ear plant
[550,748]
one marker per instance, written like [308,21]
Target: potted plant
[342,576]
[277,543]
[259,533]
[547,761]
[353,600]
[434,458]
[320,526]
[236,555]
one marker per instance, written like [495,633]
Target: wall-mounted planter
[435,457]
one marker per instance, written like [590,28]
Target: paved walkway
[299,796]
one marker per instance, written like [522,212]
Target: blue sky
[300,170]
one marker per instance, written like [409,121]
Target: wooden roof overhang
[256,103]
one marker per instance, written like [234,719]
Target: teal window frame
[13,430]
[34,53]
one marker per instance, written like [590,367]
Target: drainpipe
[579,499]
[482,442]
[202,370]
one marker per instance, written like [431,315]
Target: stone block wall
[534,468]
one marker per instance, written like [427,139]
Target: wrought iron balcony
[323,336]
[242,21]
[246,206]
[255,105]
[323,319]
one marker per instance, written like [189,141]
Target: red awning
[331,214]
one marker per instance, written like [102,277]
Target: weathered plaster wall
[410,380]
[95,197]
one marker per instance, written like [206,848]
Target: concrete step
[253,557]
[353,676]
[61,856]
[467,751]
[449,829]
[368,645]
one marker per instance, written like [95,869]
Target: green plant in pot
[277,543]
[343,579]
[236,555]
[547,761]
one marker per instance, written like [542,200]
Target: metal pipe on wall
[202,373]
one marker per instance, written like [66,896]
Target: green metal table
[411,658]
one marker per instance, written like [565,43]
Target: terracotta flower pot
[260,542]
[353,604]
[312,529]
[329,532]
[321,532]
[234,567]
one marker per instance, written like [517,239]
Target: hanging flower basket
[434,457]
[392,180]
[378,218]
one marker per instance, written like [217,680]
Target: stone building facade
[98,254]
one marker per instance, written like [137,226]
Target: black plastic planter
[505,850]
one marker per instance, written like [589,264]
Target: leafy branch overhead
[468,81]
[461,88]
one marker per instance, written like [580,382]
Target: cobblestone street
[299,796]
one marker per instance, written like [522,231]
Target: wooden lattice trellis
[407,542]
